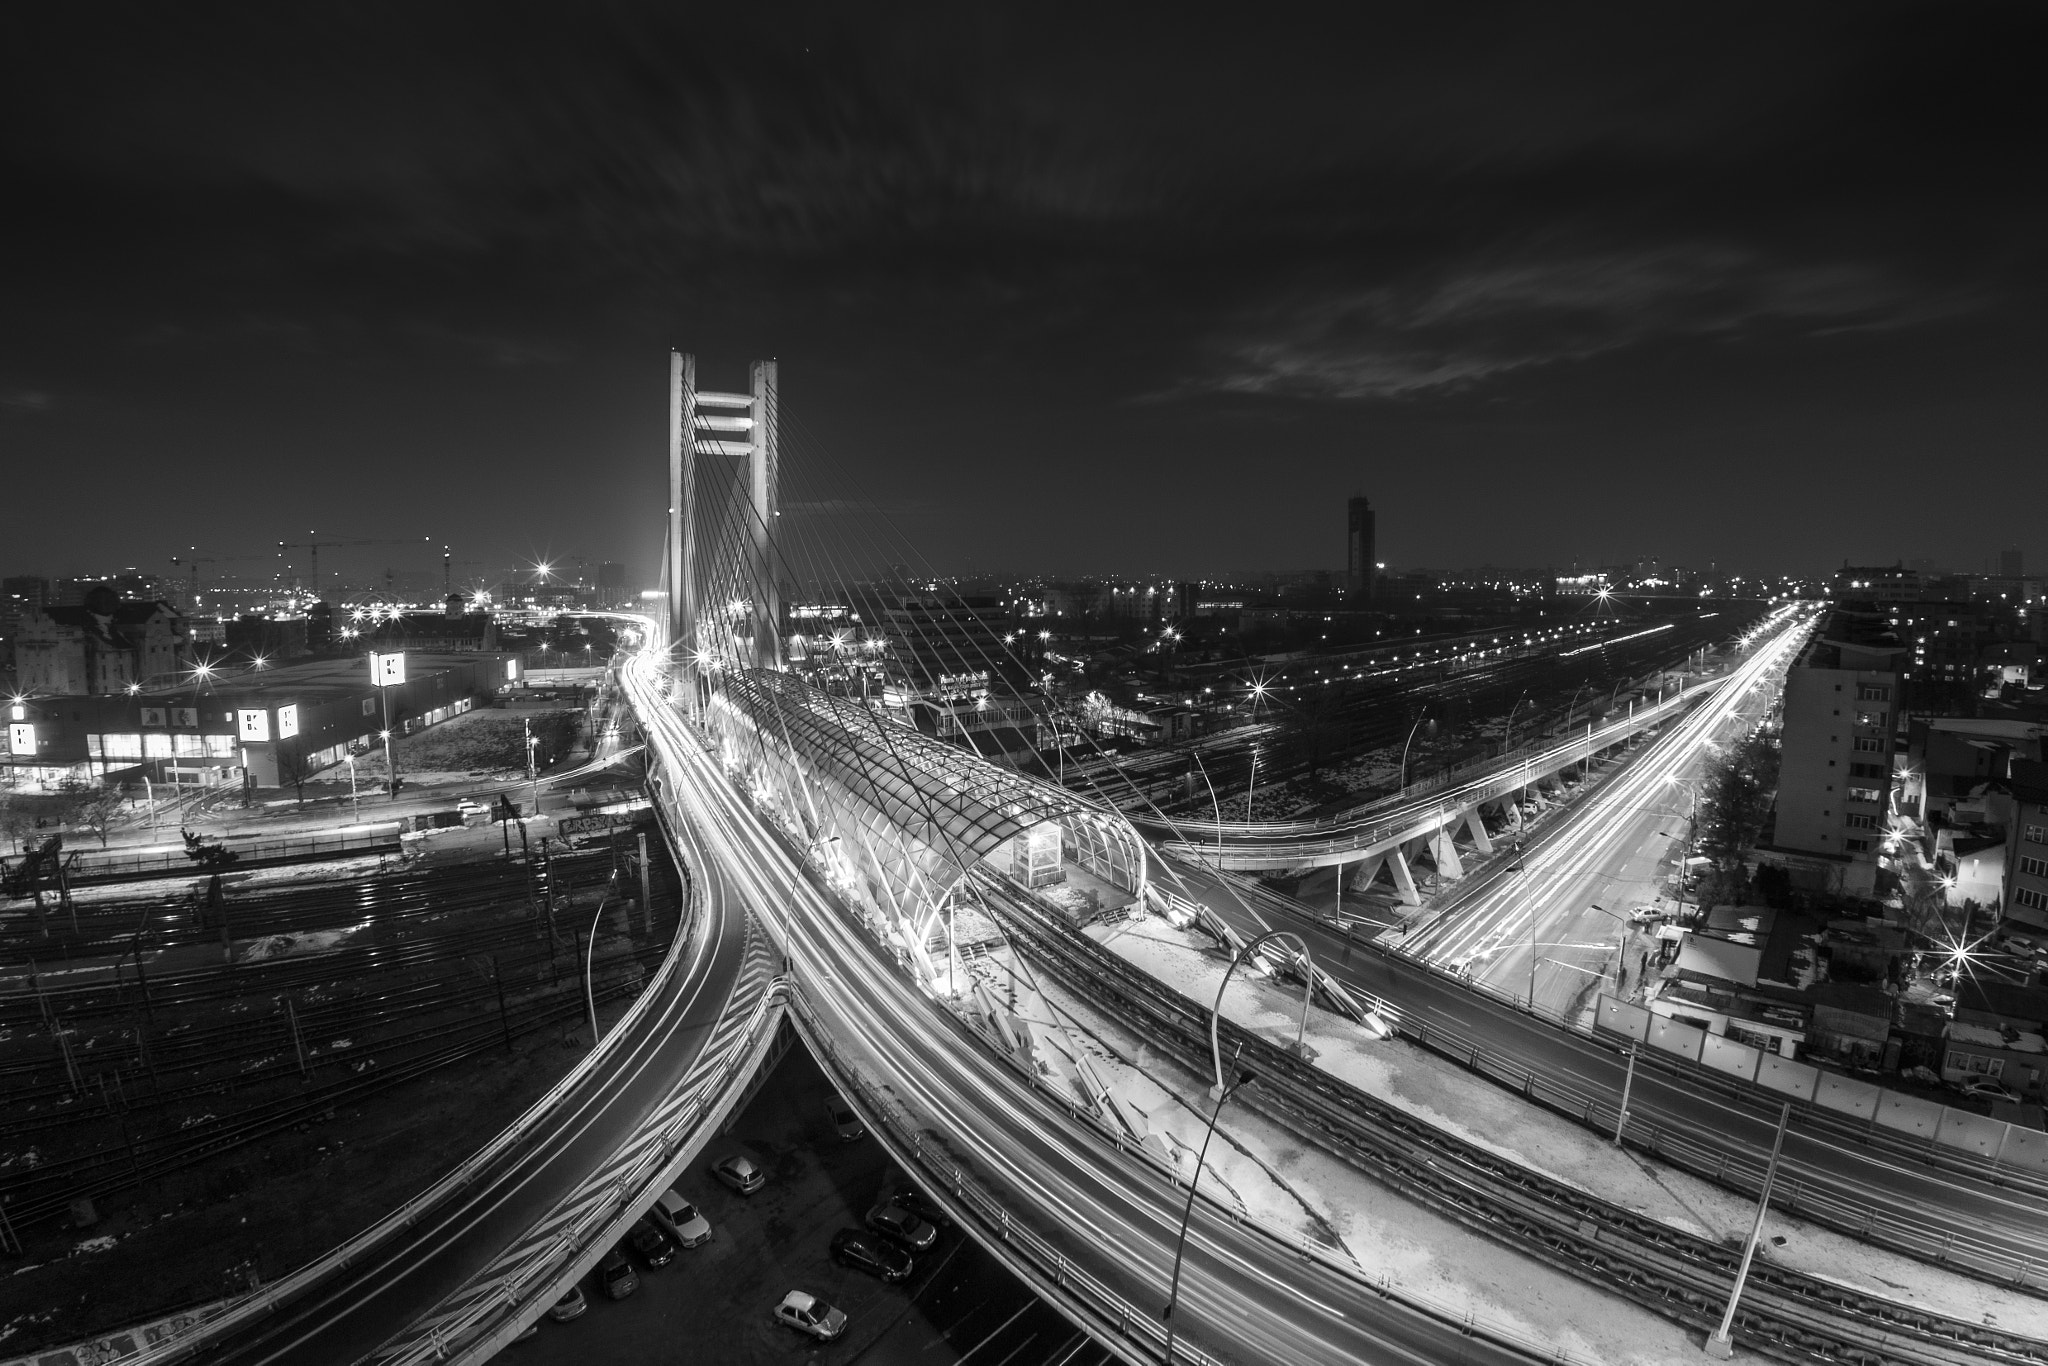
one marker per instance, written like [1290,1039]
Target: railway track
[1785,1313]
[441,1010]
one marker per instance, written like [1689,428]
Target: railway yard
[211,1080]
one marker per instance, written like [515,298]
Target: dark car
[902,1228]
[655,1247]
[922,1205]
[617,1276]
[845,1122]
[865,1251]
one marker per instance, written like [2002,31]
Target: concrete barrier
[1786,1077]
[1623,1018]
[2025,1149]
[1726,1055]
[1670,1036]
[1971,1133]
[1847,1095]
[1909,1114]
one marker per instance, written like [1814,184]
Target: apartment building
[1842,702]
[2026,850]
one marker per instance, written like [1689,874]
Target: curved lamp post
[590,958]
[1411,737]
[1216,1091]
[1507,744]
[1187,1213]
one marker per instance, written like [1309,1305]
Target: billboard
[188,717]
[255,726]
[511,671]
[21,737]
[287,721]
[387,669]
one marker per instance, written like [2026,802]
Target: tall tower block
[1363,549]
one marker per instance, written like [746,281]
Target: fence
[2001,1144]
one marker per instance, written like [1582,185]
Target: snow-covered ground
[1295,1189]
[1439,1092]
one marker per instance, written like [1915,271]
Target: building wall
[1834,783]
[2026,879]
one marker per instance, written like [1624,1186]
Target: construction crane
[312,549]
[192,562]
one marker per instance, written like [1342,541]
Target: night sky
[1065,288]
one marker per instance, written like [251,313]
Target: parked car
[739,1172]
[922,1205]
[902,1228]
[654,1246]
[808,1314]
[617,1276]
[681,1220]
[845,1122]
[570,1306]
[872,1253]
[1982,1089]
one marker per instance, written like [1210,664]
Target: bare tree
[96,810]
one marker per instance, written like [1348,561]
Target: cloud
[1454,328]
[27,400]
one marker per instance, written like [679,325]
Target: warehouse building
[270,726]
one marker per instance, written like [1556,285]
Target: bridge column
[1477,825]
[1444,850]
[762,462]
[682,502]
[1360,875]
[1404,879]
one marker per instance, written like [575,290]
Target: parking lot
[713,1303]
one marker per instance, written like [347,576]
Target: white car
[740,1173]
[1982,1089]
[681,1220]
[808,1314]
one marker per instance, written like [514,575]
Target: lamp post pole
[1410,740]
[1187,1213]
[1721,1345]
[1216,1011]
[1204,770]
[1250,787]
[590,958]
[1628,1084]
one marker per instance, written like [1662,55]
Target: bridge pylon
[743,428]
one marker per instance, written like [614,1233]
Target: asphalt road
[350,1315]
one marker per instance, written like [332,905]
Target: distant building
[1875,583]
[611,584]
[1835,777]
[1361,549]
[104,645]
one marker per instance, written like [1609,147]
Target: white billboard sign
[287,722]
[21,737]
[385,669]
[255,726]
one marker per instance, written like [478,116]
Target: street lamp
[1507,742]
[1405,743]
[589,958]
[1299,1048]
[1180,1242]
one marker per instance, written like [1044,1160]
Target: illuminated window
[187,746]
[123,746]
[219,746]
